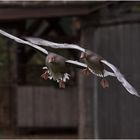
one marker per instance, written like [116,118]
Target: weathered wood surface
[112,112]
[5,118]
[48,9]
[46,107]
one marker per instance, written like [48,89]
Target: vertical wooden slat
[86,84]
[47,107]
[25,107]
[130,105]
[118,111]
[12,80]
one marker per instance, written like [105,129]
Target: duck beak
[51,59]
[82,55]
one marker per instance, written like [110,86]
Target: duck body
[95,64]
[93,61]
[57,67]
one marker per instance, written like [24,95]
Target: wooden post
[12,81]
[88,127]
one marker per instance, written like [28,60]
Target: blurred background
[33,108]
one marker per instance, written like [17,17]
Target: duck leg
[45,75]
[104,83]
[61,84]
[86,71]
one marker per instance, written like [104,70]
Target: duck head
[51,58]
[86,54]
[83,55]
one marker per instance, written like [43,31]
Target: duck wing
[121,78]
[23,42]
[69,51]
[76,64]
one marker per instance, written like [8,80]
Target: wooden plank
[5,120]
[130,105]
[55,108]
[47,107]
[25,107]
[86,93]
[49,9]
[25,13]
[108,99]
[121,19]
[117,110]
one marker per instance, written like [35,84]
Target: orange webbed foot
[104,83]
[61,84]
[45,75]
[86,71]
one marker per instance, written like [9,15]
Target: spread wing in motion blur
[57,62]
[95,65]
[69,51]
[56,66]
[94,62]
[121,78]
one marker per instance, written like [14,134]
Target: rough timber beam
[25,12]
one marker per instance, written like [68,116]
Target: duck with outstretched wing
[94,62]
[57,66]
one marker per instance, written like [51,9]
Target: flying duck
[56,67]
[94,62]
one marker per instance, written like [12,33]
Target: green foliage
[4,62]
[3,52]
[135,8]
[37,59]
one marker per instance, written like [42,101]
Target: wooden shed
[36,108]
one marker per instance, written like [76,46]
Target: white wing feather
[42,42]
[76,63]
[108,73]
[23,41]
[121,78]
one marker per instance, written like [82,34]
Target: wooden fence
[112,112]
